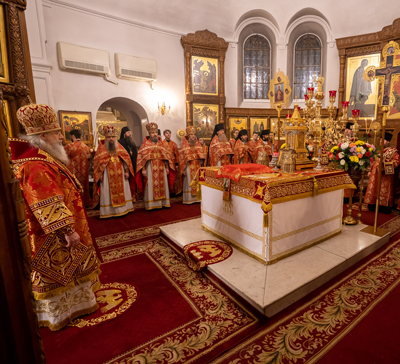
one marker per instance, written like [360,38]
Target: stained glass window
[307,64]
[256,67]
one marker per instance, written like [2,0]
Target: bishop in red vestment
[65,268]
[113,172]
[155,171]
[79,156]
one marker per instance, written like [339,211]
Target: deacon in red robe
[192,157]
[113,172]
[205,148]
[391,160]
[155,171]
[79,156]
[244,151]
[172,147]
[220,149]
[65,268]
[234,139]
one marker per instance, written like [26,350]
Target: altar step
[270,289]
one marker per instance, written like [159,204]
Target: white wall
[130,27]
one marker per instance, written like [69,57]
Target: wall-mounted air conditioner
[83,59]
[135,68]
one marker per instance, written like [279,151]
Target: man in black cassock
[127,142]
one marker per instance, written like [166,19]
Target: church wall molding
[256,20]
[117,19]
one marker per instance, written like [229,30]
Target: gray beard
[222,138]
[244,142]
[111,147]
[192,143]
[57,150]
[154,139]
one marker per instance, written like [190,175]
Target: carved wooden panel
[204,44]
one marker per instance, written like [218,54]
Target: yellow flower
[370,149]
[283,146]
[334,148]
[358,149]
[354,158]
[359,142]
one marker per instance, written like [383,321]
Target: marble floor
[272,288]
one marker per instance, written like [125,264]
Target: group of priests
[122,174]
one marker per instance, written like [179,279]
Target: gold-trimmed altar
[271,216]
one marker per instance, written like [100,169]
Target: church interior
[199,183]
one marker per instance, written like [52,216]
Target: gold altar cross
[387,73]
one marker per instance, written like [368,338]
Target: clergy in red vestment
[220,149]
[192,157]
[172,147]
[79,156]
[391,160]
[234,139]
[113,172]
[244,151]
[263,145]
[155,171]
[205,148]
[65,268]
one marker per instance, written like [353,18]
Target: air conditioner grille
[128,72]
[83,65]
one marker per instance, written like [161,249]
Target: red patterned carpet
[159,311]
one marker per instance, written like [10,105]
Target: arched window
[307,63]
[256,67]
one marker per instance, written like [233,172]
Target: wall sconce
[164,109]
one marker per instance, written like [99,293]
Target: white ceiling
[346,17]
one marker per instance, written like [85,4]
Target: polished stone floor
[272,288]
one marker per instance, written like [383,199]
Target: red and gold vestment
[157,154]
[232,142]
[79,155]
[220,152]
[261,146]
[54,208]
[191,155]
[103,159]
[245,151]
[390,155]
[172,147]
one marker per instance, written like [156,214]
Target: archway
[121,112]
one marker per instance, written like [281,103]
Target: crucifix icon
[387,73]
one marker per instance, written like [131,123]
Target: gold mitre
[109,131]
[152,128]
[37,119]
[190,130]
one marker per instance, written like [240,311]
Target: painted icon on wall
[205,117]
[204,75]
[237,123]
[257,125]
[81,120]
[362,95]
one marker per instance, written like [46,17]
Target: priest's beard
[130,142]
[111,147]
[244,141]
[222,138]
[56,150]
[154,139]
[192,142]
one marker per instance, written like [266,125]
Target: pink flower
[372,160]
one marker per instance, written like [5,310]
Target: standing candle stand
[360,197]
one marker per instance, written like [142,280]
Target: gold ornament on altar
[181,133]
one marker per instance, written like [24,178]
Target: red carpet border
[220,318]
[313,329]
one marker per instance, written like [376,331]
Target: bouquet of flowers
[354,154]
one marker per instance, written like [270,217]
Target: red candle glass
[306,97]
[332,93]
[345,104]
[288,116]
[310,89]
[355,112]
